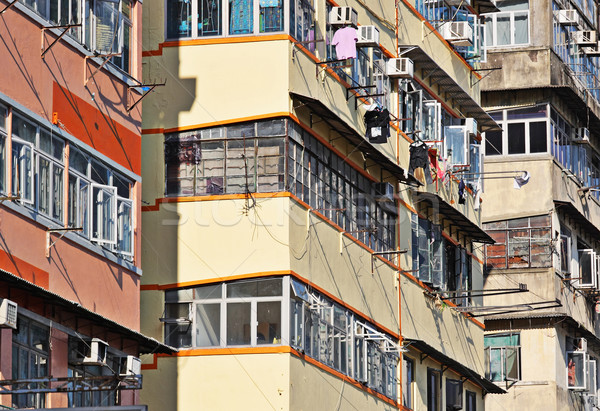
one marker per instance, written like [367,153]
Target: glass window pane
[178,335]
[516,138]
[78,161]
[179,18]
[522,28]
[241,16]
[44,186]
[208,325]
[207,291]
[238,324]
[493,143]
[255,288]
[268,316]
[538,137]
[503,29]
[271,15]
[57,193]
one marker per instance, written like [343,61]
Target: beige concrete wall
[190,241]
[312,388]
[446,330]
[501,201]
[315,254]
[219,382]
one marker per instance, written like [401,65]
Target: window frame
[493,17]
[503,358]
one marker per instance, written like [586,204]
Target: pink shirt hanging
[344,41]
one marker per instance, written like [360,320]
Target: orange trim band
[158,201]
[153,365]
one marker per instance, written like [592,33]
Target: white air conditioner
[368,36]
[129,366]
[585,37]
[568,17]
[95,352]
[400,67]
[384,192]
[580,344]
[459,33]
[343,16]
[581,135]
[592,51]
[471,126]
[8,313]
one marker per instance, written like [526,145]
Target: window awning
[485,6]
[579,218]
[486,385]
[360,141]
[433,72]
[456,217]
[10,281]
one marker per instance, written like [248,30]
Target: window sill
[73,237]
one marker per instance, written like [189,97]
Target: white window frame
[22,179]
[585,370]
[577,282]
[121,202]
[511,15]
[448,145]
[98,214]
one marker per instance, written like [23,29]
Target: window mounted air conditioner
[580,344]
[585,37]
[8,313]
[368,36]
[399,68]
[343,16]
[384,192]
[95,352]
[592,51]
[471,126]
[129,366]
[459,33]
[568,17]
[581,135]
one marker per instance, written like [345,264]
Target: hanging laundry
[461,191]
[478,189]
[419,158]
[377,122]
[344,41]
[522,180]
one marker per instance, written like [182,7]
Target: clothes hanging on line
[377,122]
[344,41]
[521,180]
[419,158]
[461,191]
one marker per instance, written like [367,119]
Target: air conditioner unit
[129,366]
[384,192]
[592,51]
[8,313]
[459,33]
[568,17]
[95,352]
[471,126]
[368,36]
[343,16]
[585,37]
[581,135]
[399,68]
[580,344]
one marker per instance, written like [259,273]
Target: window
[255,312]
[588,263]
[577,370]
[520,243]
[434,382]
[525,132]
[408,379]
[302,15]
[454,397]
[508,27]
[471,401]
[203,18]
[30,354]
[565,251]
[502,357]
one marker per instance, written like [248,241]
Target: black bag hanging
[377,122]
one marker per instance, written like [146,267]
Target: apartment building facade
[290,250]
[70,187]
[543,90]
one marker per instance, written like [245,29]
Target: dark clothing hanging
[378,125]
[461,192]
[419,158]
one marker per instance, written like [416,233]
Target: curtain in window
[241,16]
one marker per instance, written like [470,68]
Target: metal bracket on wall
[323,65]
[57,230]
[8,6]
[66,28]
[376,253]
[146,89]
[107,58]
[492,69]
